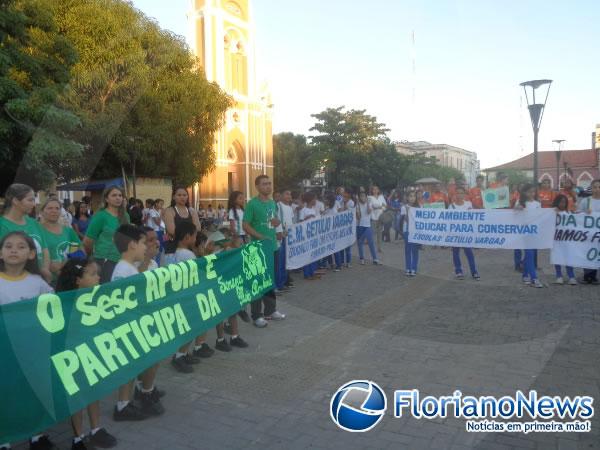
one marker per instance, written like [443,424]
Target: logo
[358,406]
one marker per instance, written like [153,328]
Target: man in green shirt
[261,222]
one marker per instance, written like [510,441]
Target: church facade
[222,37]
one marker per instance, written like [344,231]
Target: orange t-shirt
[436,197]
[546,198]
[476,197]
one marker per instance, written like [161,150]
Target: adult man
[261,222]
[476,193]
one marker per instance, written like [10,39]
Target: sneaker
[238,342]
[362,262]
[103,439]
[130,413]
[43,443]
[559,280]
[572,282]
[79,445]
[376,262]
[181,365]
[204,351]
[407,273]
[222,345]
[337,269]
[460,276]
[347,265]
[244,316]
[156,393]
[275,316]
[526,280]
[260,322]
[413,273]
[536,283]
[149,406]
[476,276]
[191,359]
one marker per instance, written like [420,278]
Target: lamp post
[558,155]
[536,112]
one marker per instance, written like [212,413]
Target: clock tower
[222,37]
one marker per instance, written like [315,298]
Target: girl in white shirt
[235,206]
[460,203]
[364,230]
[527,200]
[377,204]
[411,250]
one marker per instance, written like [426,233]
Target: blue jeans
[342,255]
[570,271]
[309,269]
[470,258]
[280,271]
[518,258]
[411,254]
[366,233]
[529,265]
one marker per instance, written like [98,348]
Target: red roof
[547,160]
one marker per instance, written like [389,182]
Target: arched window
[236,63]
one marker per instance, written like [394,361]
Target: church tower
[222,37]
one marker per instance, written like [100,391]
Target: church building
[222,37]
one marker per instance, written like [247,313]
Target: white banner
[577,240]
[315,239]
[483,228]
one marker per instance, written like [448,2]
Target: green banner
[61,352]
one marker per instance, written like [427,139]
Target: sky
[458,83]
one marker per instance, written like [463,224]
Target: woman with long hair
[19,203]
[235,211]
[81,219]
[98,241]
[179,211]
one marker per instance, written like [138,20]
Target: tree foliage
[293,159]
[35,59]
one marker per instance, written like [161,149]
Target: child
[344,257]
[182,361]
[364,231]
[460,203]
[82,273]
[130,241]
[561,204]
[591,205]
[307,213]
[527,201]
[235,206]
[411,250]
[20,279]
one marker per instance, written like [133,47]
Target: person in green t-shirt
[61,240]
[98,240]
[261,222]
[19,202]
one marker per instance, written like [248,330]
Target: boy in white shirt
[462,204]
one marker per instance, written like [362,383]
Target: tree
[35,133]
[420,165]
[294,160]
[139,92]
[516,177]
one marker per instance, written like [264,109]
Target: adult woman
[178,212]
[377,204]
[98,240]
[19,202]
[61,240]
[81,219]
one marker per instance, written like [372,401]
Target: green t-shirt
[259,214]
[101,230]
[32,228]
[60,245]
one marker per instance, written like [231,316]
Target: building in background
[446,155]
[222,37]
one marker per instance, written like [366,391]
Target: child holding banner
[20,279]
[527,200]
[561,204]
[411,250]
[82,273]
[462,204]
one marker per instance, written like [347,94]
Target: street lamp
[558,154]
[536,112]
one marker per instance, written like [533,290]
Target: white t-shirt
[239,229]
[330,211]
[404,212]
[184,254]
[151,265]
[378,205]
[466,205]
[286,215]
[307,212]
[211,214]
[319,207]
[152,214]
[533,204]
[365,218]
[589,203]
[27,286]
[124,269]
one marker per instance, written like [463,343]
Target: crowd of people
[50,248]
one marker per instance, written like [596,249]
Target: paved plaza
[432,333]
